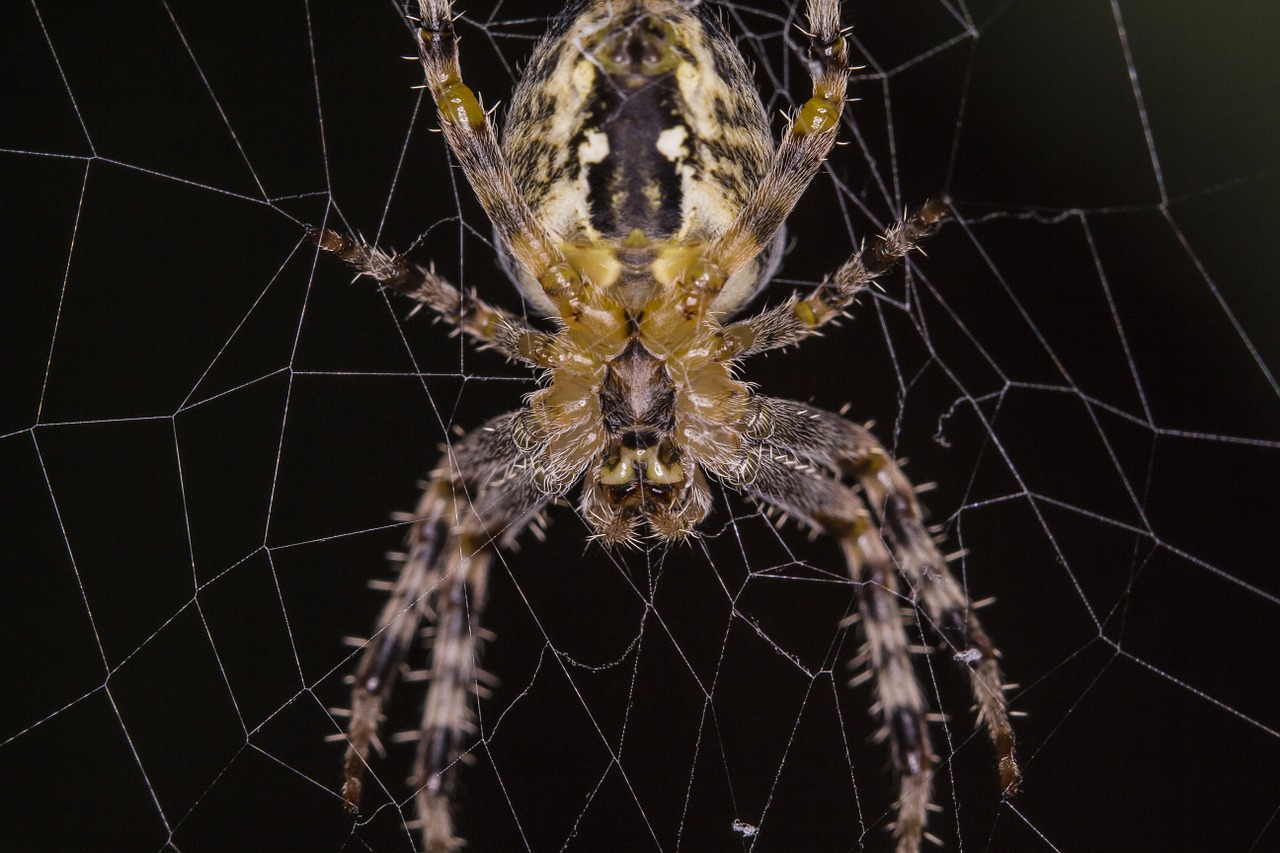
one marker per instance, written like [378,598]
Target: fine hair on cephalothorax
[638,201]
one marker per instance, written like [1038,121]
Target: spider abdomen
[638,119]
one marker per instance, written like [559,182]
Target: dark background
[204,434]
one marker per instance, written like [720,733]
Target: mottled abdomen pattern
[638,116]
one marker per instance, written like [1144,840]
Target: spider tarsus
[1010,775]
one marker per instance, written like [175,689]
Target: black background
[204,434]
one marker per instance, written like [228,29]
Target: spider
[638,201]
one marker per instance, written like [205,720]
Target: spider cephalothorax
[638,201]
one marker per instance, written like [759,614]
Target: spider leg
[490,326]
[797,319]
[471,138]
[850,450]
[804,146]
[478,500]
[790,484]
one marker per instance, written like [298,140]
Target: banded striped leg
[804,146]
[893,499]
[478,500]
[448,715]
[797,319]
[471,138]
[900,703]
[849,450]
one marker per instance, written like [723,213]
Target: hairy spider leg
[801,452]
[474,504]
[804,147]
[799,318]
[489,326]
[471,138]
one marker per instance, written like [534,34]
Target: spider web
[205,432]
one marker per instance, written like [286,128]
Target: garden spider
[638,201]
